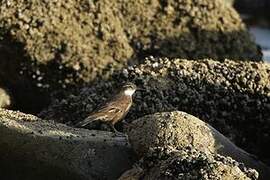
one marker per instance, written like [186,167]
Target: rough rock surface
[5,98]
[188,164]
[234,97]
[54,44]
[171,129]
[32,148]
[179,130]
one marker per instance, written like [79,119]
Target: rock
[188,163]
[32,148]
[202,25]
[5,98]
[230,2]
[170,129]
[24,94]
[233,97]
[54,45]
[132,174]
[179,130]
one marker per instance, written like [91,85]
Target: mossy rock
[233,97]
[52,45]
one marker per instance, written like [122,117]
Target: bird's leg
[125,122]
[115,130]
[128,124]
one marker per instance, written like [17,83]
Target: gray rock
[32,148]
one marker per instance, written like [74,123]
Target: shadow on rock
[201,44]
[26,94]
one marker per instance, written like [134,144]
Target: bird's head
[129,89]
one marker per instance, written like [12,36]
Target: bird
[114,109]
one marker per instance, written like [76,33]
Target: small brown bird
[114,110]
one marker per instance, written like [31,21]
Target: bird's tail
[86,121]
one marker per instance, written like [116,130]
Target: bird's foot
[128,124]
[117,133]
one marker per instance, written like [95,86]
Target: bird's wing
[108,112]
[89,119]
[116,106]
[105,113]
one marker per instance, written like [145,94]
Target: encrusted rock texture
[188,163]
[234,97]
[5,98]
[170,129]
[79,52]
[178,130]
[54,44]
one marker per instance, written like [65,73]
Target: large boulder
[32,148]
[179,130]
[234,97]
[51,45]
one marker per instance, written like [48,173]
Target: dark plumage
[113,110]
